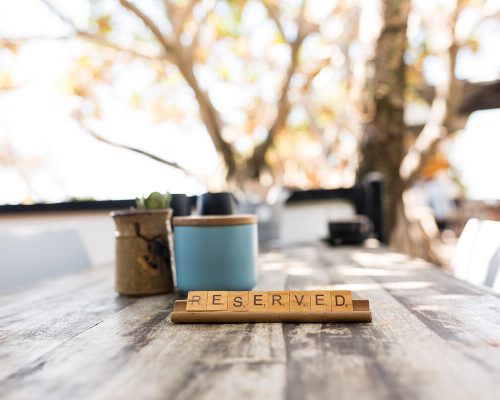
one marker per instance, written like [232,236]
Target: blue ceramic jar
[216,252]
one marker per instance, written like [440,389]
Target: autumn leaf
[10,45]
[136,101]
[104,24]
[473,44]
[6,81]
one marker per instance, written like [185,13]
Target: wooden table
[432,337]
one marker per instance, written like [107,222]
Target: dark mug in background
[222,203]
[181,205]
[353,230]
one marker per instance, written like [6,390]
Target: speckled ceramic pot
[143,252]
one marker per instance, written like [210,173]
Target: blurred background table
[432,336]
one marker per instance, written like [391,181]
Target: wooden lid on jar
[216,220]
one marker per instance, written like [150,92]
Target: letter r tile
[279,301]
[196,301]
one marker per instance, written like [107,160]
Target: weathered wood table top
[432,337]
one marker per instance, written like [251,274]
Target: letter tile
[196,301]
[279,301]
[257,301]
[237,301]
[300,301]
[217,301]
[341,300]
[321,300]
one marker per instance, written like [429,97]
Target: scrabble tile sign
[271,306]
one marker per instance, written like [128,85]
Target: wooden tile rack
[274,306]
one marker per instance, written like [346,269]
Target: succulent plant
[154,201]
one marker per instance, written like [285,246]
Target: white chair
[28,255]
[477,256]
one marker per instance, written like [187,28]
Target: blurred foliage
[240,53]
[238,49]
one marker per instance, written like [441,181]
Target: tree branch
[180,19]
[314,72]
[196,35]
[273,12]
[167,45]
[310,75]
[257,160]
[102,139]
[101,41]
[440,121]
[60,15]
[209,114]
[184,61]
[475,96]
[88,36]
[426,143]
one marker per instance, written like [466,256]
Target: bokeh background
[115,99]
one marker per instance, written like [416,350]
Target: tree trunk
[381,147]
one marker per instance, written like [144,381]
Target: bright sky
[475,154]
[35,121]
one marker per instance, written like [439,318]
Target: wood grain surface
[432,337]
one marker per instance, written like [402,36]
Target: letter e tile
[321,300]
[217,301]
[257,301]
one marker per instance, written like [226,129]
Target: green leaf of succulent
[139,203]
[155,201]
[168,199]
